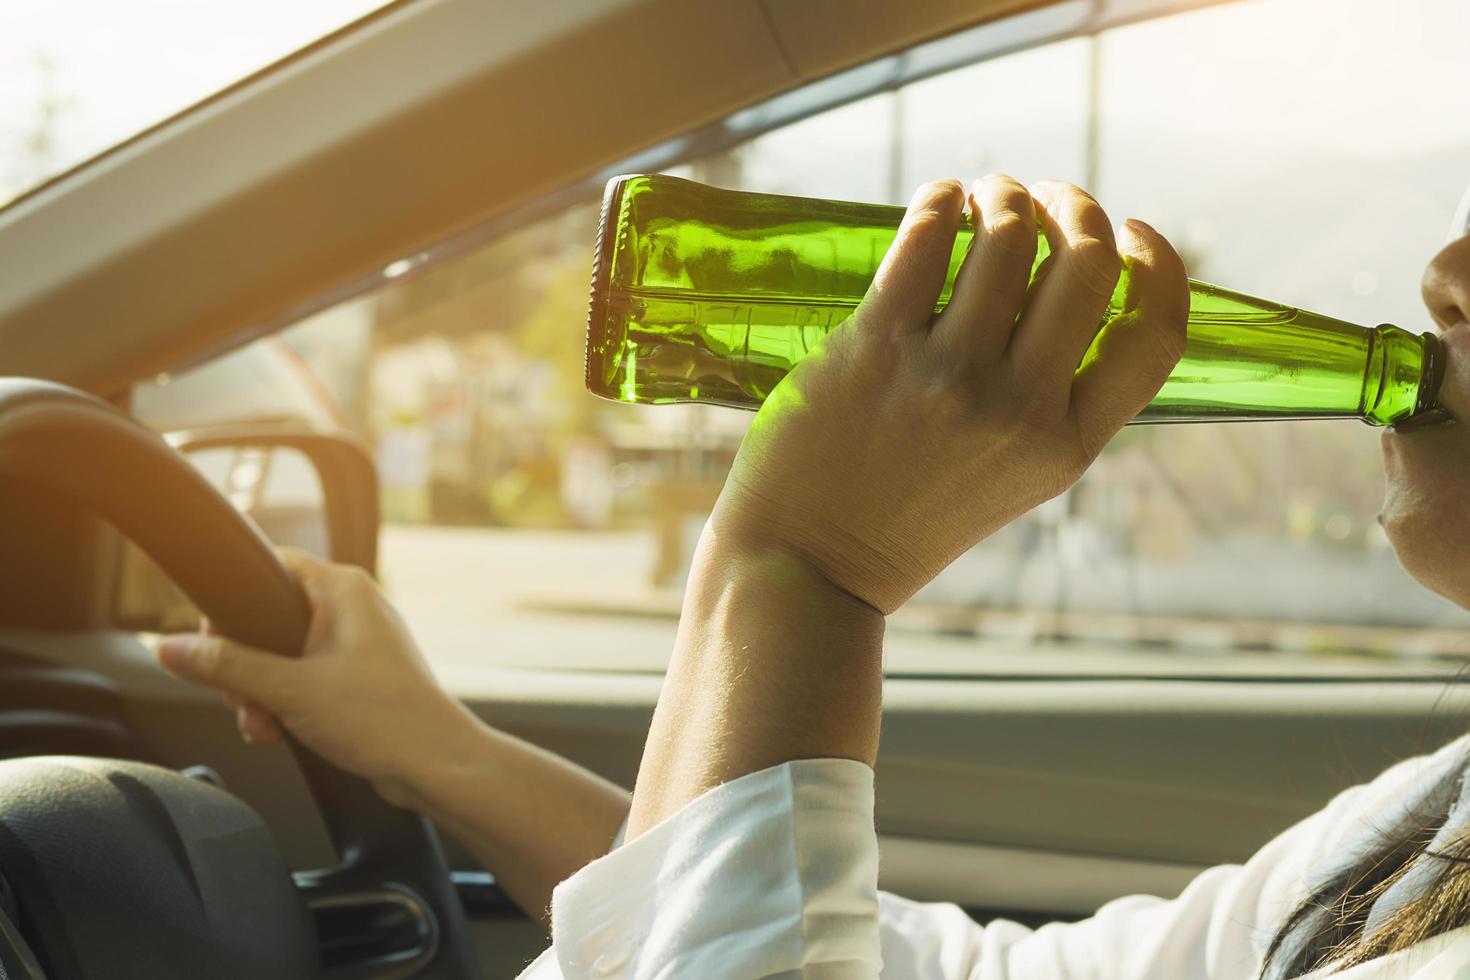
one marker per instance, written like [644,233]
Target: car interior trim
[982,876]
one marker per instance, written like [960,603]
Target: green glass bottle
[707,295]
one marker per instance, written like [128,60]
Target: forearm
[772,663]
[531,817]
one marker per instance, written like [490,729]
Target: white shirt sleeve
[774,875]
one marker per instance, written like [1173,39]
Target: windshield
[80,76]
[518,507]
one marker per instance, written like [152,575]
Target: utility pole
[1091,167]
[897,193]
[1093,136]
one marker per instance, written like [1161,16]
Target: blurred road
[469,594]
[580,600]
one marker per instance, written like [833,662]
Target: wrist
[445,750]
[773,662]
[744,554]
[759,590]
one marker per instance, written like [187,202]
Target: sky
[112,68]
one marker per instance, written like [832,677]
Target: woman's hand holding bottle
[905,439]
[908,436]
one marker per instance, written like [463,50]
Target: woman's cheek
[1397,511]
[1403,514]
[1426,512]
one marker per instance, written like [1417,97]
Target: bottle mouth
[595,363]
[1394,355]
[1431,375]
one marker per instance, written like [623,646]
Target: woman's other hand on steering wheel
[361,694]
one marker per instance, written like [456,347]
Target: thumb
[218,662]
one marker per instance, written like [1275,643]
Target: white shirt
[775,875]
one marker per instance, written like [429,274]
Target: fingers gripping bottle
[701,294]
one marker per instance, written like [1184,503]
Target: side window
[528,523]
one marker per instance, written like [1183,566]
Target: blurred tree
[555,330]
[36,159]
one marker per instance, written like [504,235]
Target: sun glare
[78,76]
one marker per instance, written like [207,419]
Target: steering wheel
[71,445]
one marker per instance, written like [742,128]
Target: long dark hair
[1328,929]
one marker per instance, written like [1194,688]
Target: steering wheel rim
[77,446]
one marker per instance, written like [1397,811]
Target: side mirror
[310,489]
